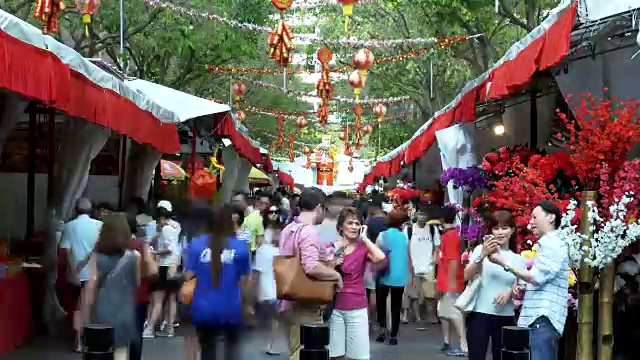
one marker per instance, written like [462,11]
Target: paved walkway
[413,345]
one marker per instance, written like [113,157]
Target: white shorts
[349,334]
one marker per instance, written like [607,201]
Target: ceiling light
[498,129]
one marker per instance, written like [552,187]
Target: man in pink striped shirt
[313,254]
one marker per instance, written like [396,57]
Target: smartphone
[338,252]
[487,238]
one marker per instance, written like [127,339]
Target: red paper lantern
[238,89]
[379,111]
[282,5]
[363,59]
[325,56]
[367,129]
[302,122]
[356,80]
[240,115]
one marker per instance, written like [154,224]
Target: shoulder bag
[466,302]
[293,284]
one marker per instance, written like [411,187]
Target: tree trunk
[605,313]
[585,287]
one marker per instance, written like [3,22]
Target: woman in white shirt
[494,307]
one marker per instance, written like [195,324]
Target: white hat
[165,204]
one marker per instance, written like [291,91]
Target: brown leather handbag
[294,285]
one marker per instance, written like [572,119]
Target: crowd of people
[387,267]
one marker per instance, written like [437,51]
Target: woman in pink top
[349,322]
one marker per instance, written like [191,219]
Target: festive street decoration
[281,44]
[367,130]
[358,111]
[48,11]
[87,8]
[350,168]
[302,123]
[302,95]
[241,116]
[238,89]
[379,110]
[445,41]
[324,88]
[347,12]
[356,81]
[349,42]
[362,60]
[291,154]
[279,138]
[282,5]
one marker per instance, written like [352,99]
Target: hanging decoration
[362,60]
[281,38]
[241,116]
[356,81]
[302,123]
[367,130]
[312,38]
[358,111]
[279,138]
[307,152]
[380,111]
[350,168]
[347,12]
[291,154]
[445,42]
[304,95]
[48,11]
[238,89]
[87,8]
[324,88]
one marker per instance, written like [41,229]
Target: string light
[312,38]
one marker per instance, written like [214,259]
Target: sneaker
[148,333]
[393,341]
[381,337]
[167,332]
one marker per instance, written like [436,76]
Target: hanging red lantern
[282,5]
[362,60]
[306,151]
[240,116]
[302,123]
[379,111]
[238,89]
[342,136]
[87,8]
[367,129]
[356,80]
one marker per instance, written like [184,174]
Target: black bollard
[516,343]
[97,342]
[314,339]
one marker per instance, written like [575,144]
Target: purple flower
[470,179]
[471,232]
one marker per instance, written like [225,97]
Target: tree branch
[106,40]
[506,11]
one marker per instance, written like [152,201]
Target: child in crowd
[267,297]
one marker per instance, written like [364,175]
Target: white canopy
[185,106]
[29,34]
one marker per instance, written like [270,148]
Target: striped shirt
[245,236]
[551,272]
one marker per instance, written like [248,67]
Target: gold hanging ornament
[291,154]
[302,123]
[324,88]
[281,38]
[48,11]
[358,111]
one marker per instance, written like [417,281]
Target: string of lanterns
[443,42]
[302,95]
[303,37]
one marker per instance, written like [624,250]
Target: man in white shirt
[79,237]
[424,240]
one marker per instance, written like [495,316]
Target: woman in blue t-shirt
[219,262]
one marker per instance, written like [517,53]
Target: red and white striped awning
[541,49]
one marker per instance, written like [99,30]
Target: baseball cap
[165,204]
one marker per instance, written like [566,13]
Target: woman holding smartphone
[494,308]
[349,321]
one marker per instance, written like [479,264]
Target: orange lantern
[356,80]
[306,151]
[238,89]
[302,123]
[367,129]
[362,60]
[282,5]
[379,111]
[240,116]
